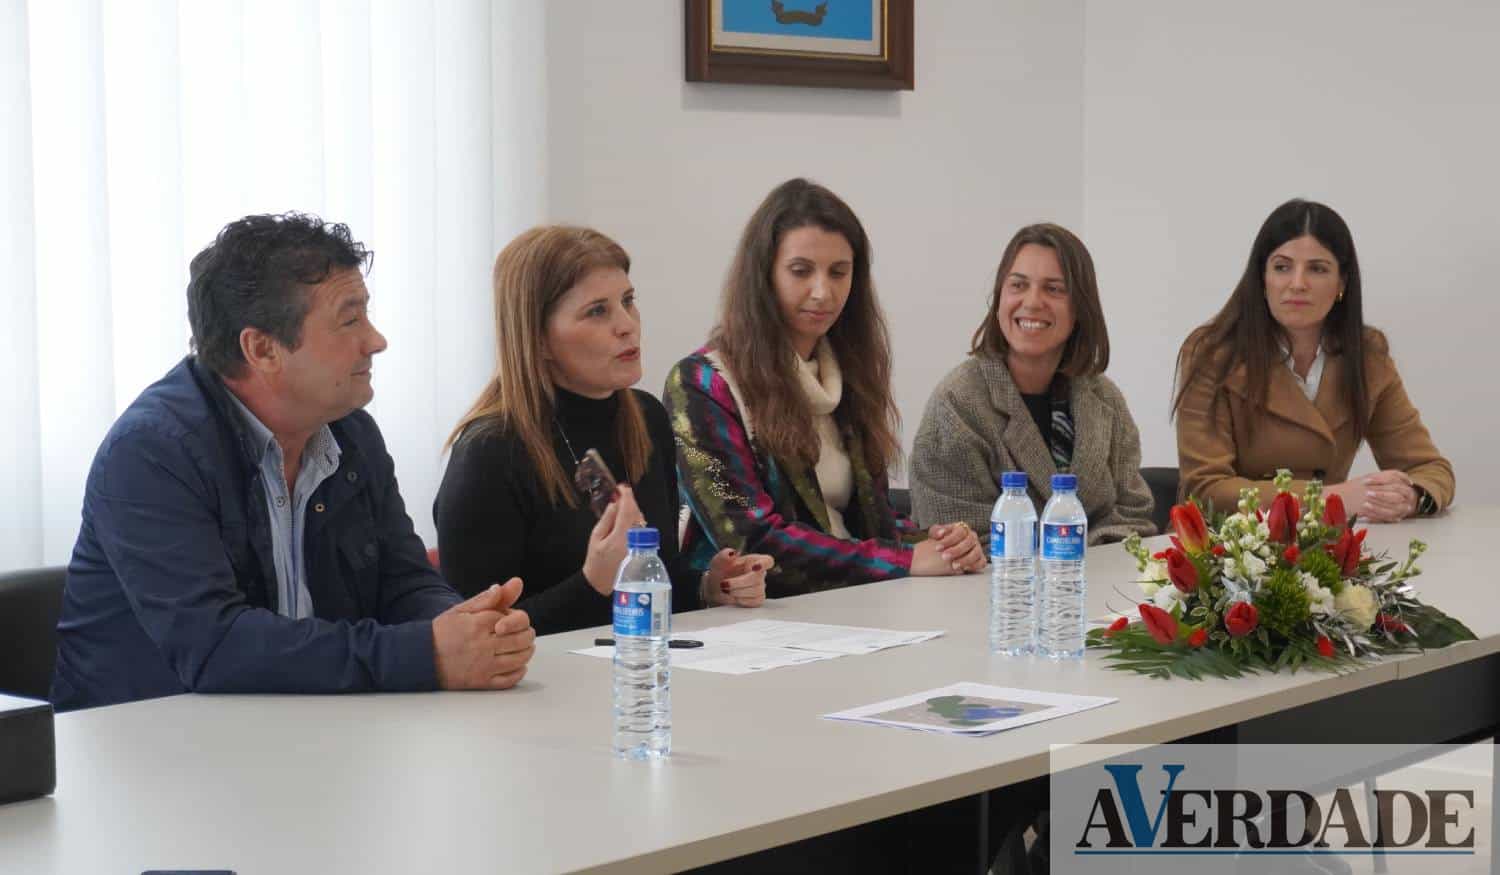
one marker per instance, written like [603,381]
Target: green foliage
[1133,649]
[1283,603]
[1433,627]
[1193,665]
[1324,568]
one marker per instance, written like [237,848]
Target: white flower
[1153,577]
[1237,528]
[1251,567]
[1166,597]
[1357,605]
[1250,542]
[1321,596]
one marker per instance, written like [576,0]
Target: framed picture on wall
[820,43]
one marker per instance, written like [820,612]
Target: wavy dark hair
[256,274]
[751,334]
[1245,333]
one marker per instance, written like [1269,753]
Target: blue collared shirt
[288,513]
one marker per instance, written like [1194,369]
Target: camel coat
[1219,456]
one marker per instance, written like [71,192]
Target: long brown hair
[1087,350]
[531,274]
[1245,333]
[752,336]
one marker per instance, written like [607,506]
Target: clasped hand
[1382,497]
[950,548]
[483,643]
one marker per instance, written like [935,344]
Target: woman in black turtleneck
[568,346]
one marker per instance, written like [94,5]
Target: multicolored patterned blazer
[742,497]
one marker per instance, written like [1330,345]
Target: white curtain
[132,130]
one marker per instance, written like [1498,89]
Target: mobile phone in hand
[594,482]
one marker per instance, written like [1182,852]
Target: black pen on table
[674,643]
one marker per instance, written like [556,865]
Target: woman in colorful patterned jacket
[785,425]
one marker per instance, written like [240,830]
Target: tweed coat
[1219,453]
[741,496]
[976,427]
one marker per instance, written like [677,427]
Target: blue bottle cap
[1067,482]
[1013,480]
[642,538]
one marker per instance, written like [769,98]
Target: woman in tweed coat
[785,425]
[1032,396]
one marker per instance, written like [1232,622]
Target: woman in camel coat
[1287,375]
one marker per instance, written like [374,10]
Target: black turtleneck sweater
[494,521]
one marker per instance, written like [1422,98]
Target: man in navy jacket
[242,530]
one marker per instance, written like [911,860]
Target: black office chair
[1163,485]
[30,602]
[901,501]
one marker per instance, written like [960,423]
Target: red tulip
[1187,522]
[1198,638]
[1291,554]
[1346,551]
[1325,647]
[1161,625]
[1333,512]
[1283,519]
[1117,626]
[1241,619]
[1218,550]
[1181,570]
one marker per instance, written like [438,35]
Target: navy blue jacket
[172,586]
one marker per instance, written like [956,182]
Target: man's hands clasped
[483,643]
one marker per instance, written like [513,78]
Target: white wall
[1202,117]
[942,176]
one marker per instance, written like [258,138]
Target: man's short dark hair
[255,275]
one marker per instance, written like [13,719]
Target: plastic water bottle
[643,624]
[1012,568]
[1063,588]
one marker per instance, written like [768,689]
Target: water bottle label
[633,614]
[1061,541]
[1021,543]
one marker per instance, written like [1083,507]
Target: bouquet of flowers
[1291,587]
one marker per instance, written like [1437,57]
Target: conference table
[523,780]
